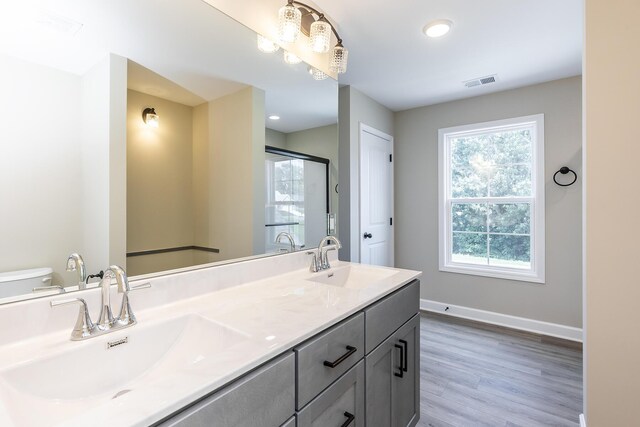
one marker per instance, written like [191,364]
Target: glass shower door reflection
[295,200]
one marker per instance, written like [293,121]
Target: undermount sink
[353,276]
[98,370]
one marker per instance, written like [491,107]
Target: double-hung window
[491,199]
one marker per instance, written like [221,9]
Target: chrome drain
[120,393]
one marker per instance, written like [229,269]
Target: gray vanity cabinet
[363,371]
[406,391]
[393,367]
[324,358]
[265,397]
[342,404]
[290,423]
[393,380]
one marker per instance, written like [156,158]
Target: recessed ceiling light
[274,117]
[437,28]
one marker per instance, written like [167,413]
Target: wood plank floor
[474,374]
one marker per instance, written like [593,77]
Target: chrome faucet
[292,243]
[84,327]
[76,263]
[320,260]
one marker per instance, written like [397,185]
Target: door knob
[368,235]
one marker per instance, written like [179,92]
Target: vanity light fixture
[291,58]
[317,74]
[267,46]
[150,117]
[296,17]
[437,28]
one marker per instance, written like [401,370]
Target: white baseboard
[514,322]
[583,422]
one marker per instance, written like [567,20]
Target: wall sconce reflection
[150,117]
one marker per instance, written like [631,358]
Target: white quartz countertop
[270,316]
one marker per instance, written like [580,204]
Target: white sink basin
[60,386]
[353,276]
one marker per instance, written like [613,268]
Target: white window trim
[537,272]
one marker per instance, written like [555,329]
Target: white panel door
[376,197]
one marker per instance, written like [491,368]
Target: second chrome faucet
[84,327]
[320,260]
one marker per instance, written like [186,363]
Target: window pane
[297,193]
[510,218]
[514,181]
[512,147]
[469,248]
[469,182]
[297,167]
[465,149]
[510,251]
[469,217]
[282,170]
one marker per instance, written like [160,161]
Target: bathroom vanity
[263,342]
[372,356]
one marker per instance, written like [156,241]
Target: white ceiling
[188,42]
[522,41]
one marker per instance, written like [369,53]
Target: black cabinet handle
[339,360]
[368,235]
[350,418]
[406,355]
[401,373]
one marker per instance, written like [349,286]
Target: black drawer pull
[406,355]
[339,360]
[401,373]
[350,418]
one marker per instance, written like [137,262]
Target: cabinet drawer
[323,359]
[387,315]
[341,402]
[262,398]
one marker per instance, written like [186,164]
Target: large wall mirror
[136,133]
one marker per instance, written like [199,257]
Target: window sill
[494,272]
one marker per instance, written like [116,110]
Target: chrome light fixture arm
[320,15]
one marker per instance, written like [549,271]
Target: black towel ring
[565,170]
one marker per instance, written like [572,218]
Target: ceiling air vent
[481,81]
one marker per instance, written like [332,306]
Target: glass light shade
[291,58]
[338,61]
[317,74]
[266,45]
[152,120]
[289,20]
[320,36]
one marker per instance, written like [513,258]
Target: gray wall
[559,300]
[354,108]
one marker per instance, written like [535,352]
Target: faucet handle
[126,316]
[325,256]
[146,285]
[84,326]
[314,268]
